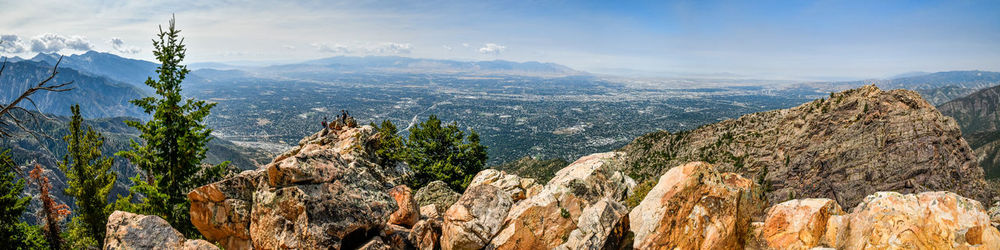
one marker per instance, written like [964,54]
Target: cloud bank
[45,43]
[388,48]
[492,49]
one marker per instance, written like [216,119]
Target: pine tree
[436,152]
[90,181]
[52,212]
[15,234]
[174,139]
[390,144]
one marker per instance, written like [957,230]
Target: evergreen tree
[174,139]
[390,144]
[52,212]
[15,234]
[90,181]
[436,152]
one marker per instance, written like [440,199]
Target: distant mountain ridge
[100,96]
[936,88]
[418,65]
[131,71]
[978,115]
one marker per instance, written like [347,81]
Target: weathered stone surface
[472,221]
[844,147]
[375,244]
[931,220]
[221,210]
[994,213]
[546,220]
[328,192]
[407,213]
[693,206]
[800,224]
[517,187]
[437,193]
[429,211]
[426,234]
[135,231]
[603,225]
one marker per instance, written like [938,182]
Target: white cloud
[465,45]
[336,48]
[51,43]
[446,47]
[387,48]
[391,48]
[119,45]
[492,48]
[288,47]
[11,44]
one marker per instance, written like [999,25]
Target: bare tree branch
[8,117]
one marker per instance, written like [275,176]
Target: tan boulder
[931,220]
[425,235]
[472,221]
[800,224]
[135,231]
[547,219]
[518,188]
[603,225]
[407,212]
[429,211]
[693,206]
[221,210]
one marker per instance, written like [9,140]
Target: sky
[760,39]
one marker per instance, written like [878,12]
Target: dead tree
[7,111]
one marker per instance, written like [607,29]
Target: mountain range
[978,115]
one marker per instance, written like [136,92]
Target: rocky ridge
[844,148]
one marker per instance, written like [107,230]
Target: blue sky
[762,39]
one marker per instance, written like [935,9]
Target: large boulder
[407,213]
[800,224]
[135,231]
[518,188]
[425,235]
[221,210]
[693,206]
[328,192]
[437,193]
[603,225]
[472,221]
[930,220]
[547,219]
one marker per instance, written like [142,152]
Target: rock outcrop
[437,193]
[548,219]
[472,221]
[518,188]
[135,231]
[407,212]
[326,193]
[843,148]
[693,206]
[884,220]
[800,224]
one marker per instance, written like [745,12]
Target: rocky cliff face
[854,143]
[326,192]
